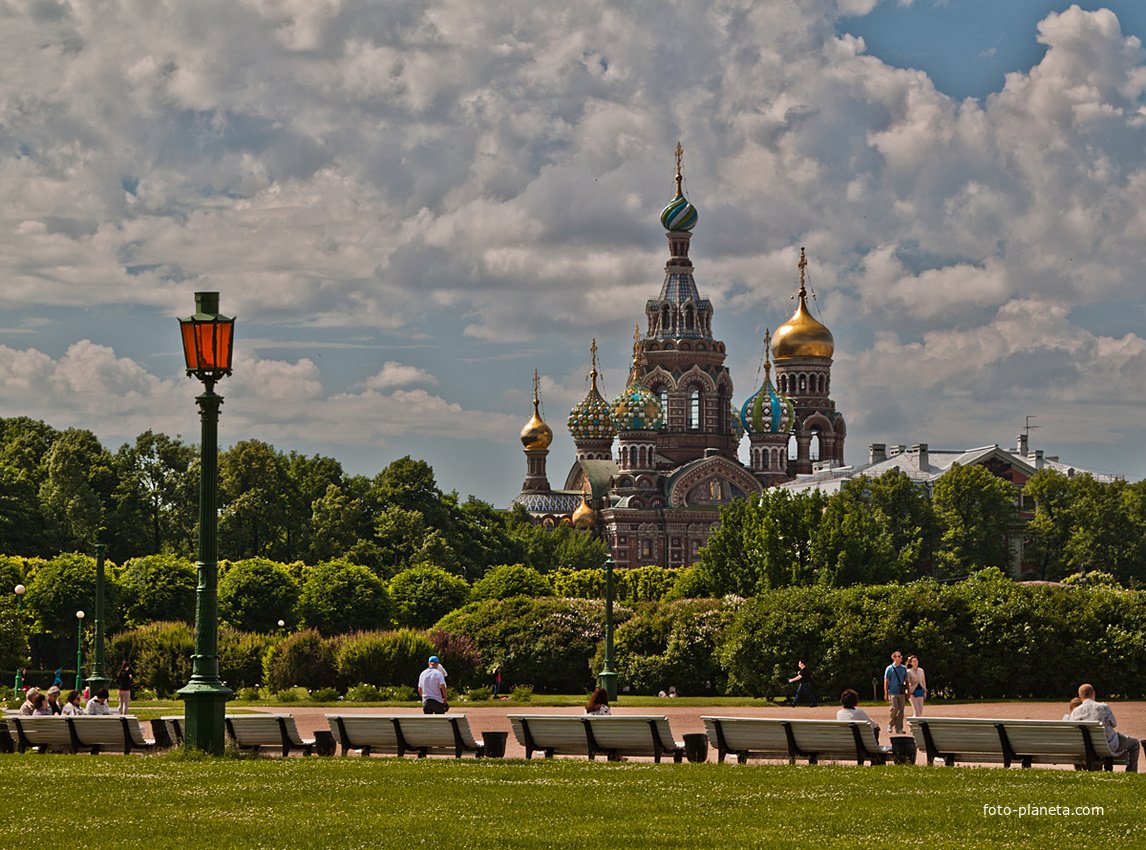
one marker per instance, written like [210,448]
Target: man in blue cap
[432,689]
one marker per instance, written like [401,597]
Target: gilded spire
[635,371]
[593,372]
[767,355]
[802,335]
[536,435]
[803,264]
[679,170]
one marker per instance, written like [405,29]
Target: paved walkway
[684,719]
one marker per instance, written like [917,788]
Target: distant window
[694,408]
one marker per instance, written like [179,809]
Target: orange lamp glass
[207,339]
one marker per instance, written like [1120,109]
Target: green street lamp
[19,590]
[207,338]
[607,678]
[99,678]
[79,647]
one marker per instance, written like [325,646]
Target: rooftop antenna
[1028,427]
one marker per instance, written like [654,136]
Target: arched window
[663,395]
[688,318]
[765,458]
[665,318]
[803,383]
[694,408]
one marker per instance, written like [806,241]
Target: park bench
[167,731]
[613,736]
[255,731]
[978,739]
[73,734]
[424,734]
[780,738]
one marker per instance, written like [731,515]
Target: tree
[509,580]
[77,488]
[158,487]
[425,594]
[254,514]
[336,523]
[409,484]
[872,531]
[338,596]
[398,533]
[159,587]
[1052,524]
[66,584]
[255,594]
[309,478]
[975,511]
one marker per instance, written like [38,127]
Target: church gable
[710,483]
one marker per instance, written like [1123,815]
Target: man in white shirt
[432,689]
[98,704]
[1119,744]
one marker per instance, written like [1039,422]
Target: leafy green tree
[337,522]
[398,533]
[409,484]
[1049,529]
[158,488]
[338,596]
[873,531]
[309,478]
[509,580]
[425,594]
[77,489]
[255,594]
[254,514]
[24,447]
[975,511]
[1100,528]
[159,587]
[481,537]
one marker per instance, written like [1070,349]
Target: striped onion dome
[767,411]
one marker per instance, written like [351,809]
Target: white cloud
[394,374]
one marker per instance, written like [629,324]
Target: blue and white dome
[768,412]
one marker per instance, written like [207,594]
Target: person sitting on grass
[598,703]
[849,699]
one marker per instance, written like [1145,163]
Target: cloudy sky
[411,206]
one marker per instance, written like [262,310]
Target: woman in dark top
[125,681]
[804,688]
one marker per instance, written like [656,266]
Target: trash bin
[323,742]
[494,744]
[903,749]
[696,747]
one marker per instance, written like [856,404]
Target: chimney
[1039,463]
[1021,445]
[920,449]
[897,450]
[877,452]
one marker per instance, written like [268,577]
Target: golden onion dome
[536,435]
[802,335]
[583,517]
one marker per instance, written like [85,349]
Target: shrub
[338,596]
[363,693]
[64,585]
[483,694]
[400,693]
[383,658]
[303,658]
[247,694]
[255,594]
[425,594]
[545,641]
[159,587]
[241,656]
[324,695]
[460,656]
[288,695]
[159,652]
[510,580]
[522,693]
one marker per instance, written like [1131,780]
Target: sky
[411,206]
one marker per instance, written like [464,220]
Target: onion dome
[802,335]
[584,517]
[767,411]
[636,409]
[679,215]
[536,435]
[589,420]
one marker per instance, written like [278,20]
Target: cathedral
[654,466]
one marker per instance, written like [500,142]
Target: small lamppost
[99,678]
[19,590]
[79,647]
[207,339]
[607,678]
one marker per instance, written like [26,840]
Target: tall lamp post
[607,678]
[19,590]
[99,678]
[207,338]
[79,648]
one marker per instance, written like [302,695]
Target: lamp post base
[204,706]
[607,679]
[94,683]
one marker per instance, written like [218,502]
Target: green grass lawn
[176,801]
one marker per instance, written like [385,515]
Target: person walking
[496,681]
[804,689]
[895,692]
[916,685]
[125,681]
[432,689]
